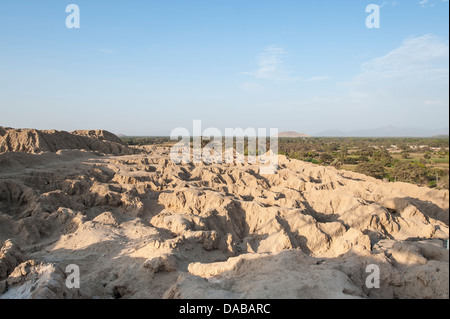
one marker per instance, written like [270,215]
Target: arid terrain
[140,226]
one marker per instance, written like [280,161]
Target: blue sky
[147,67]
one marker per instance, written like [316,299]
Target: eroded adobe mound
[140,226]
[36,141]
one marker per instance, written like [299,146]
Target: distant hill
[292,134]
[386,131]
[38,141]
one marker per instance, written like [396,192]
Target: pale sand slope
[139,226]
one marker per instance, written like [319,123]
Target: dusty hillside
[292,134]
[36,141]
[139,226]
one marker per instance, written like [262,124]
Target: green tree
[382,156]
[411,172]
[326,158]
[374,169]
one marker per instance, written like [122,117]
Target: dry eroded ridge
[140,226]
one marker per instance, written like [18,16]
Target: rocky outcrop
[10,257]
[36,141]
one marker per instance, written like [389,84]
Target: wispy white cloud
[410,80]
[272,67]
[388,3]
[430,3]
[420,63]
[408,86]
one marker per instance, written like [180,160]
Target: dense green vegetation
[422,161]
[145,140]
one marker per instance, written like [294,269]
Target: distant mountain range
[386,131]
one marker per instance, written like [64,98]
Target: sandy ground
[139,226]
